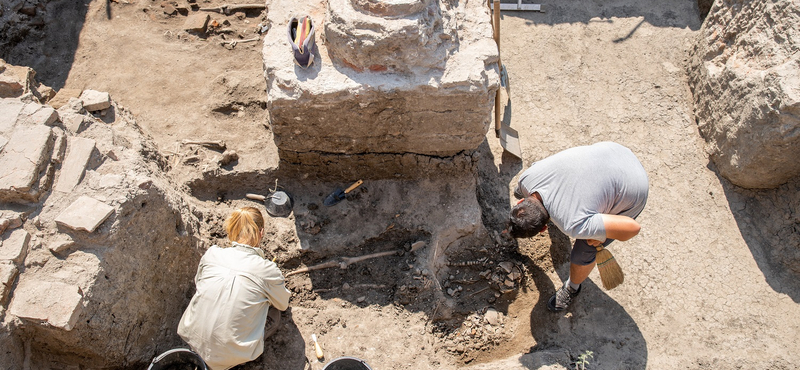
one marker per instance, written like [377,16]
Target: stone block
[85,213]
[428,101]
[10,220]
[62,97]
[74,122]
[744,77]
[95,100]
[52,303]
[8,272]
[14,246]
[9,110]
[60,245]
[79,150]
[196,22]
[46,92]
[23,158]
[43,116]
[15,81]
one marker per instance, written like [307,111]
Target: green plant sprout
[583,360]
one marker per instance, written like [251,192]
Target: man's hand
[594,243]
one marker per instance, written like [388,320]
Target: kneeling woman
[236,287]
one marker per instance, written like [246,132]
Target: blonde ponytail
[244,226]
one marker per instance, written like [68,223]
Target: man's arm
[620,227]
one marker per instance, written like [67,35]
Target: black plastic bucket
[347,363]
[178,359]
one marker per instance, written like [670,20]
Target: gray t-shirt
[578,184]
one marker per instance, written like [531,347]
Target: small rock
[74,122]
[507,266]
[361,299]
[95,100]
[8,272]
[228,157]
[169,9]
[46,92]
[62,97]
[15,246]
[59,246]
[196,22]
[492,316]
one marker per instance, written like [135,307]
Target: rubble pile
[97,251]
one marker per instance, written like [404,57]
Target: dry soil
[702,289]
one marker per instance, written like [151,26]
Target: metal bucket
[279,204]
[178,359]
[347,363]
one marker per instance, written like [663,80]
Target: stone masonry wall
[401,78]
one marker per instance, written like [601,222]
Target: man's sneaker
[563,297]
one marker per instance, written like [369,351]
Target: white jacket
[225,320]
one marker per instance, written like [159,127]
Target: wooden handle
[496,21]
[498,104]
[317,348]
[355,185]
[256,196]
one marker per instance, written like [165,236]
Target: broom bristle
[610,272]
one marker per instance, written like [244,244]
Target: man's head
[528,218]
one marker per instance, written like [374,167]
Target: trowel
[340,194]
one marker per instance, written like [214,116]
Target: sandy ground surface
[702,290]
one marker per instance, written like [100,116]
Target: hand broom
[610,272]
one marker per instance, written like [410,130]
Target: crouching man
[592,194]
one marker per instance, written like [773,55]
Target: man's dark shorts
[584,254]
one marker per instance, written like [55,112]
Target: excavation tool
[227,9]
[610,273]
[317,348]
[509,138]
[278,203]
[345,262]
[340,194]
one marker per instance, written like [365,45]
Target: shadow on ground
[658,14]
[53,57]
[769,221]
